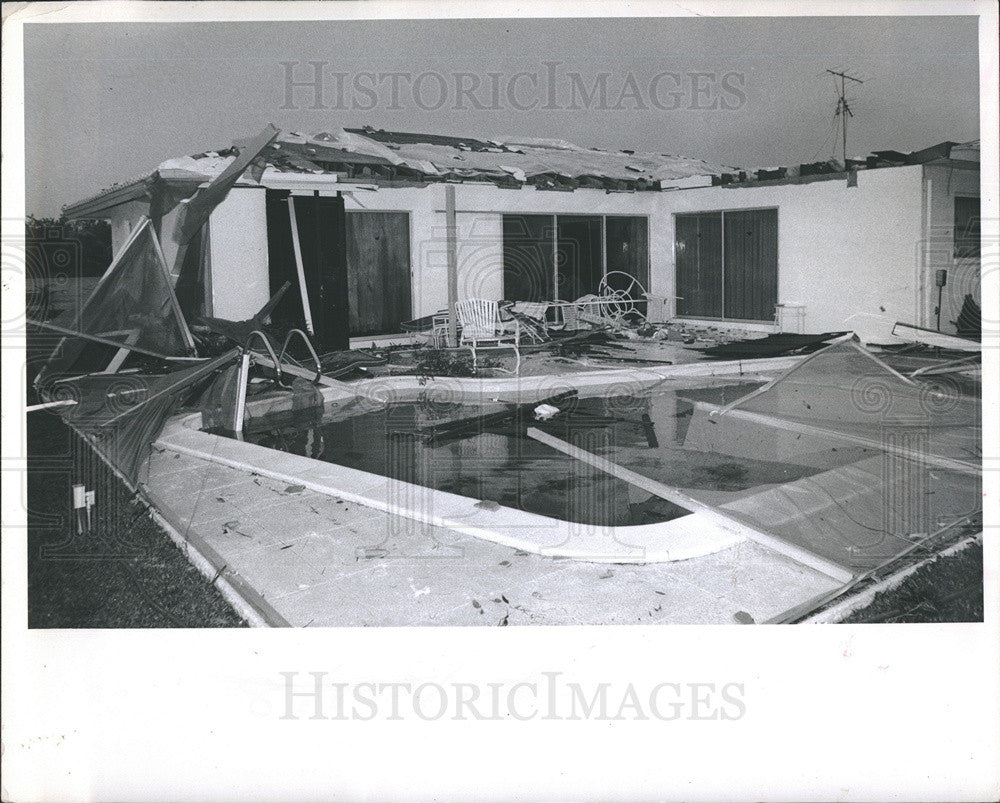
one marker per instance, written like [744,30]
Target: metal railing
[309,346]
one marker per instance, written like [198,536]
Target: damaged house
[805,470]
[813,247]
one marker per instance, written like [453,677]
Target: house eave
[95,207]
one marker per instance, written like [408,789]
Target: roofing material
[372,154]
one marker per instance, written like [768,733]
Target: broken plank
[931,337]
[443,431]
[733,522]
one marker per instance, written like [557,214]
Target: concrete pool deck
[319,561]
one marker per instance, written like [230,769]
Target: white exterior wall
[942,184]
[239,281]
[851,255]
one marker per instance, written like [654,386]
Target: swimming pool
[493,482]
[480,452]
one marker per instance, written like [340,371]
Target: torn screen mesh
[133,305]
[891,459]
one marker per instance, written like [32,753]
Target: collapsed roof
[430,157]
[387,157]
[950,152]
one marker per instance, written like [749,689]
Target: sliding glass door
[564,257]
[727,264]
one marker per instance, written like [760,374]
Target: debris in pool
[543,412]
[606,575]
[295,489]
[503,622]
[487,504]
[505,563]
[743,618]
[475,604]
[220,499]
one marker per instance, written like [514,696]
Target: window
[727,264]
[967,228]
[552,257]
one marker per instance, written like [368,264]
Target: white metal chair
[482,328]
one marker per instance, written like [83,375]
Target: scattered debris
[370,553]
[543,412]
[774,345]
[931,337]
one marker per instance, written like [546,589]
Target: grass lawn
[124,572]
[948,590]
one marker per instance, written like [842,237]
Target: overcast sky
[109,102]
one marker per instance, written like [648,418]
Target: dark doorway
[322,229]
[727,264]
[564,257]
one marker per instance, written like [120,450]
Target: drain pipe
[451,239]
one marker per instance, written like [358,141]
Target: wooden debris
[930,337]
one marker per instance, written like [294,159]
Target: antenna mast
[843,110]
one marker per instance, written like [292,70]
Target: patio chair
[482,328]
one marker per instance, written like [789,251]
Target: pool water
[494,460]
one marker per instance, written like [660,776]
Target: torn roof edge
[365,150]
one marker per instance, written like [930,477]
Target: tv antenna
[843,110]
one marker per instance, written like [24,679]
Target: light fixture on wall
[940,279]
